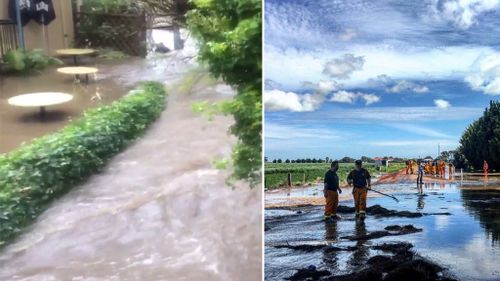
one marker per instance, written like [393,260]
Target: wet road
[466,242]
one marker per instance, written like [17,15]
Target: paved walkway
[159,211]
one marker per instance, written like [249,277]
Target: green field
[305,173]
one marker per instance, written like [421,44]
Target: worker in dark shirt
[360,179]
[331,187]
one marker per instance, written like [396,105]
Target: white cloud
[344,97]
[370,98]
[396,86]
[442,104]
[323,86]
[288,65]
[277,100]
[344,66]
[327,86]
[485,74]
[348,34]
[407,86]
[350,97]
[462,13]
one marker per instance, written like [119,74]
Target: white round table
[75,52]
[40,100]
[78,70]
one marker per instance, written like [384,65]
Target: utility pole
[439,149]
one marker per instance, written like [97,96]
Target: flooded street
[159,210]
[460,232]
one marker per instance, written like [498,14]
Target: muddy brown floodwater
[158,211]
[18,124]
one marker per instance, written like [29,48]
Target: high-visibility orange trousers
[332,201]
[359,199]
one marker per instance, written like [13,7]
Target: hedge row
[36,173]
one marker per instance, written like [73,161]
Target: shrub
[35,174]
[24,61]
[230,37]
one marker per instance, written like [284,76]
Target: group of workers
[359,179]
[438,168]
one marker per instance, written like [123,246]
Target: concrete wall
[59,33]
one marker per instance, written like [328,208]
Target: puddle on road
[465,242]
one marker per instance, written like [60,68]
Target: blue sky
[376,78]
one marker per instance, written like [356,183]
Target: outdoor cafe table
[78,70]
[75,53]
[40,100]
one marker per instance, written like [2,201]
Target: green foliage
[110,6]
[133,6]
[229,33]
[110,54]
[481,140]
[111,23]
[35,174]
[24,61]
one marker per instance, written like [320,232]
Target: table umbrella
[26,8]
[44,11]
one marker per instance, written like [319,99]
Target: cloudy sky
[375,78]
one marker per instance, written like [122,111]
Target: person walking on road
[360,179]
[331,187]
[420,175]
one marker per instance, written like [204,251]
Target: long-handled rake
[391,196]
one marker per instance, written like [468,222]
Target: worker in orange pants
[360,179]
[412,164]
[331,187]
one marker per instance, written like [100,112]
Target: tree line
[345,159]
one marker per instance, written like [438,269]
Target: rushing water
[466,242]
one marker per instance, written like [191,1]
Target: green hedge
[36,173]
